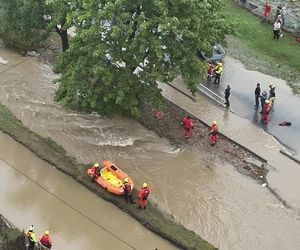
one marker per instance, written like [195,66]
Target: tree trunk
[64,39]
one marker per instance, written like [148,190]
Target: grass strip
[259,36]
[153,218]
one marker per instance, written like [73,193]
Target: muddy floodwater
[33,192]
[201,191]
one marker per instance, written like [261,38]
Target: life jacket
[187,123]
[31,236]
[267,108]
[219,69]
[143,194]
[96,171]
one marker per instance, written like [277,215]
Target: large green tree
[122,47]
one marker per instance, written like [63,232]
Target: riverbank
[153,218]
[169,126]
[10,237]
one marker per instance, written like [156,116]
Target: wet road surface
[243,83]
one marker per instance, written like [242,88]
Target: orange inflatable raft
[111,178]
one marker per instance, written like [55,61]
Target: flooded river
[203,193]
[33,192]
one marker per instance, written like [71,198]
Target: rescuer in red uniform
[143,196]
[45,240]
[266,112]
[214,133]
[188,126]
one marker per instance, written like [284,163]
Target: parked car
[217,55]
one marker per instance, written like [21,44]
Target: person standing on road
[257,95]
[272,94]
[143,196]
[210,71]
[214,133]
[227,94]
[263,98]
[266,112]
[218,73]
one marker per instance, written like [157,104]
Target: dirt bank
[169,126]
[10,237]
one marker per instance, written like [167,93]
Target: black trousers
[217,78]
[256,101]
[128,197]
[227,103]
[276,34]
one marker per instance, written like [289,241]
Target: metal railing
[209,93]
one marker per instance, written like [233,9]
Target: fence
[206,91]
[292,16]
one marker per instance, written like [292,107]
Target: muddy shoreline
[169,126]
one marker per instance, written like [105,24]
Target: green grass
[259,36]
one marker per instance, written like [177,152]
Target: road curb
[289,156]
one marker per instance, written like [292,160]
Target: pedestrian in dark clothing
[227,94]
[263,98]
[257,95]
[278,11]
[127,191]
[271,93]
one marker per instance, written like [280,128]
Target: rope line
[15,65]
[68,205]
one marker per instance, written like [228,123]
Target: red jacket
[210,69]
[144,193]
[267,108]
[46,241]
[214,130]
[188,123]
